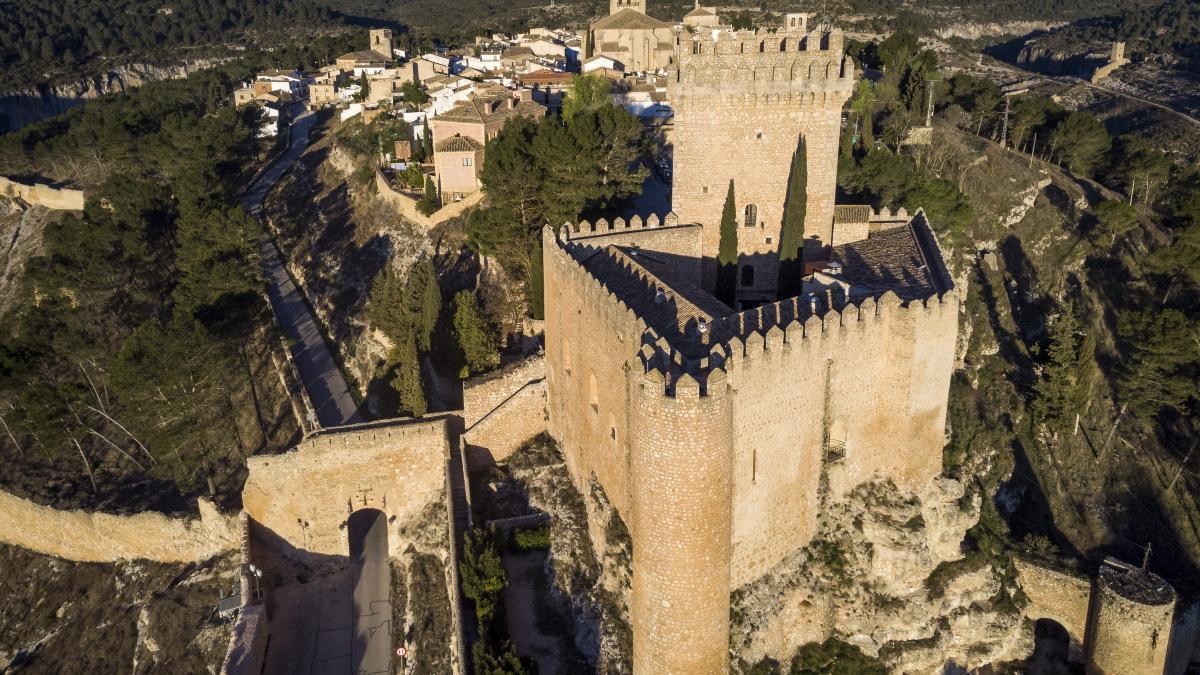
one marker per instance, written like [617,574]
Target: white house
[599,62]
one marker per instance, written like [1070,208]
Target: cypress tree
[422,302]
[791,240]
[476,337]
[406,369]
[727,251]
[536,287]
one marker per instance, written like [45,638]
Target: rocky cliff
[886,573]
[25,106]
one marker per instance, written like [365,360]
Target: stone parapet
[104,537]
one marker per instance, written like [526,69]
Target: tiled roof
[851,213]
[458,143]
[364,56]
[699,12]
[892,259]
[645,282]
[475,108]
[629,18]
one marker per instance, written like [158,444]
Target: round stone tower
[1132,614]
[680,468]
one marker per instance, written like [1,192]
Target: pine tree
[727,251]
[476,337]
[385,309]
[536,287]
[791,240]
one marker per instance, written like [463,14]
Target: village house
[702,17]
[471,123]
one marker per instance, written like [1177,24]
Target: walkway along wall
[104,537]
[503,410]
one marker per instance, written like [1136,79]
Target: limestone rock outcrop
[886,573]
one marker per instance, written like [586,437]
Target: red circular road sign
[401,651]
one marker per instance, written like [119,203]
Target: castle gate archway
[371,646]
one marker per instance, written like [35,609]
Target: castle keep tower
[742,101]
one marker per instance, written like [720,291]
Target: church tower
[615,6]
[381,41]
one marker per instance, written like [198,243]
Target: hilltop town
[735,342]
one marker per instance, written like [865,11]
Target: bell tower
[615,6]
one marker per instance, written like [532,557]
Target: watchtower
[743,100]
[381,41]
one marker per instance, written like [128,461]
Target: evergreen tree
[585,93]
[1114,220]
[1084,141]
[422,302]
[1162,353]
[385,308]
[536,286]
[1062,391]
[429,203]
[791,240]
[476,337]
[404,363]
[727,251]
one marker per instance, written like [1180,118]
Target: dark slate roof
[894,259]
[645,282]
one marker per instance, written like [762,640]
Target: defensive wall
[724,459]
[407,206]
[1124,620]
[39,194]
[742,102]
[503,410]
[104,537]
[305,495]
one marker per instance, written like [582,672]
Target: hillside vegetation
[1077,408]
[44,40]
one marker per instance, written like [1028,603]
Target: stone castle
[718,434]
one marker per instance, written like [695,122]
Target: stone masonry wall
[43,195]
[590,339]
[739,115]
[407,206]
[684,242]
[503,410]
[104,537]
[872,379]
[1128,637]
[681,515]
[1056,595]
[306,495]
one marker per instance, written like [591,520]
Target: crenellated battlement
[585,228]
[732,64]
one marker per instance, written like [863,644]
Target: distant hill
[50,40]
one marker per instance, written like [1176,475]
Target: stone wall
[42,195]
[502,410]
[407,206]
[742,103]
[305,495]
[1059,596]
[104,537]
[663,235]
[869,382]
[248,646]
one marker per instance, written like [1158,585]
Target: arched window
[751,216]
[747,275]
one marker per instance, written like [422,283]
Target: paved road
[371,646]
[318,371]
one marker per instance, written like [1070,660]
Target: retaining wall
[103,537]
[42,195]
[407,206]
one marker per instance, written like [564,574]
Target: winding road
[319,373]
